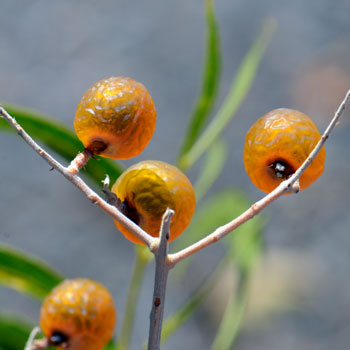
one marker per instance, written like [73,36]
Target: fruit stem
[289,185]
[92,196]
[39,344]
[80,161]
[160,282]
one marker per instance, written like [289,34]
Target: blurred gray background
[52,51]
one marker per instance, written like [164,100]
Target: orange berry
[277,144]
[146,190]
[78,314]
[116,118]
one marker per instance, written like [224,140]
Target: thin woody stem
[256,208]
[29,344]
[159,246]
[80,184]
[80,161]
[161,275]
[39,344]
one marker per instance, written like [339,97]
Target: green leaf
[240,87]
[233,317]
[26,273]
[216,211]
[211,169]
[244,244]
[14,332]
[60,139]
[142,259]
[110,345]
[245,249]
[210,80]
[178,318]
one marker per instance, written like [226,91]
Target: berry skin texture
[115,118]
[146,190]
[276,146]
[78,314]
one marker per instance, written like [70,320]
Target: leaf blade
[179,317]
[60,139]
[14,332]
[233,317]
[211,169]
[240,87]
[216,211]
[210,80]
[26,273]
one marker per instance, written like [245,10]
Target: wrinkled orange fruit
[78,314]
[115,118]
[146,190]
[276,146]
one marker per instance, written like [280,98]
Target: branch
[161,275]
[80,161]
[288,185]
[32,344]
[72,176]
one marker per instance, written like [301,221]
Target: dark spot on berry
[281,169]
[88,153]
[130,212]
[58,338]
[97,146]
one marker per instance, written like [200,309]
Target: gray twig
[161,275]
[80,161]
[33,344]
[159,246]
[285,186]
[72,176]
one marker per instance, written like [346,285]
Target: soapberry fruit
[78,314]
[276,146]
[146,190]
[115,118]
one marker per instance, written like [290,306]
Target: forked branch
[159,246]
[71,174]
[256,208]
[160,282]
[32,344]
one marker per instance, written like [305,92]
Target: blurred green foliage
[31,276]
[60,139]
[25,273]
[14,332]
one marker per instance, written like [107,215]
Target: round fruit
[276,146]
[146,190]
[78,314]
[115,118]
